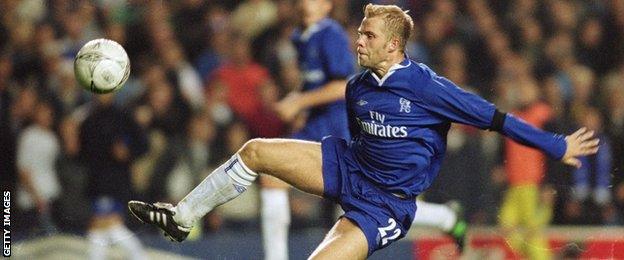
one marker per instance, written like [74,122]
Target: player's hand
[288,108]
[580,143]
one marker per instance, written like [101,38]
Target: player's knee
[251,153]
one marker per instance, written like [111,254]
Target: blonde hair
[399,23]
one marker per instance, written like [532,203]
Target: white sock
[127,240]
[224,184]
[99,244]
[434,215]
[275,223]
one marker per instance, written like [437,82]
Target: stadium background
[205,74]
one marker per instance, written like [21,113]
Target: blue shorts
[382,216]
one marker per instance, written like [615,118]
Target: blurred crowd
[205,75]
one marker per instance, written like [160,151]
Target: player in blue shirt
[325,60]
[399,113]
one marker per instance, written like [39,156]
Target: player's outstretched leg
[282,158]
[459,230]
[223,184]
[446,217]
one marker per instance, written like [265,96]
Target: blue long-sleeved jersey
[399,125]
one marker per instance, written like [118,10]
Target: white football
[102,66]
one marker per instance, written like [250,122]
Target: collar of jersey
[403,64]
[312,29]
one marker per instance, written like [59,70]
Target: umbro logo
[240,188]
[362,102]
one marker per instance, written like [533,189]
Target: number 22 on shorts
[386,232]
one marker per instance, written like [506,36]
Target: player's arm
[296,102]
[328,93]
[444,98]
[338,65]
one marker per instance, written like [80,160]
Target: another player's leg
[509,218]
[275,217]
[344,241]
[120,235]
[296,162]
[434,215]
[98,244]
[444,217]
[109,229]
[536,214]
